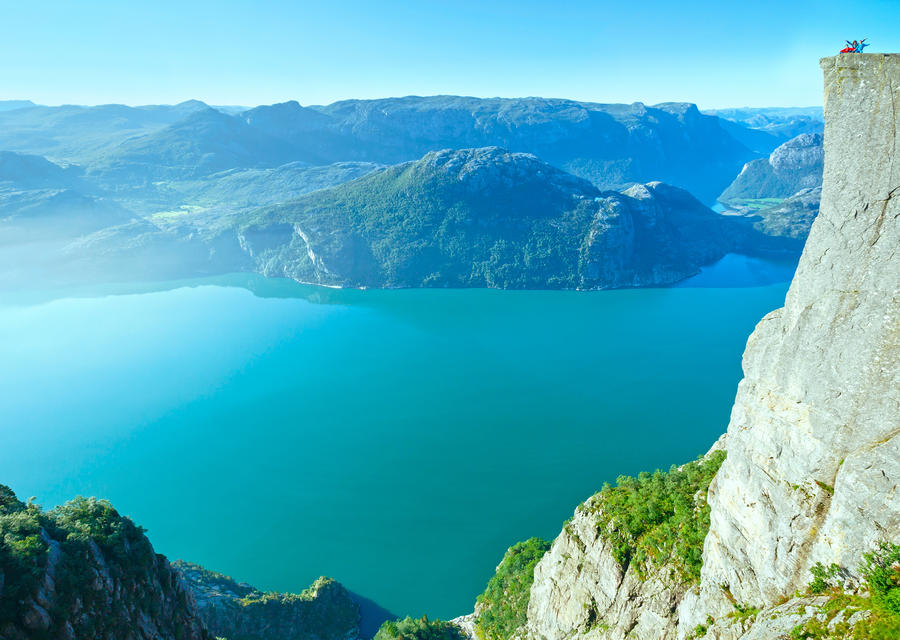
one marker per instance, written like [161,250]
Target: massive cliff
[813,448]
[808,491]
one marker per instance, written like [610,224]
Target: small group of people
[856,46]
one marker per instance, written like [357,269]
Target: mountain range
[167,191]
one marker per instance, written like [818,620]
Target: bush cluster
[880,570]
[419,629]
[81,528]
[659,518]
[503,607]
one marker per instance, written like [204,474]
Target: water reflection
[732,271]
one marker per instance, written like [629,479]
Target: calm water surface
[398,441]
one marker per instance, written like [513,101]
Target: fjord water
[398,441]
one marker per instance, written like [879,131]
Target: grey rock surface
[819,406]
[580,589]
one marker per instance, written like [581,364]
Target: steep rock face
[814,439]
[628,558]
[580,589]
[813,465]
[238,611]
[795,165]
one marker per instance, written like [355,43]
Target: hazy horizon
[252,104]
[236,53]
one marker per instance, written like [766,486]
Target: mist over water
[398,441]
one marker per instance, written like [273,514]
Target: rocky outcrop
[237,611]
[813,467]
[579,588]
[793,166]
[83,571]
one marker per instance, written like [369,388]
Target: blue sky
[717,54]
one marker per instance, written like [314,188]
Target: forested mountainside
[488,218]
[467,218]
[157,192]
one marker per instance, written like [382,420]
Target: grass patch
[177,214]
[743,611]
[881,571]
[826,487]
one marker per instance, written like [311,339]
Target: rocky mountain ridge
[83,571]
[481,217]
[158,191]
[795,165]
[238,611]
[486,218]
[612,145]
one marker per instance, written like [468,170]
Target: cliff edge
[809,487]
[814,439]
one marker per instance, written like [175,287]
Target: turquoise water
[398,441]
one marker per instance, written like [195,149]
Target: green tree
[503,607]
[419,629]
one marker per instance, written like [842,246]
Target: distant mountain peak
[193,103]
[10,105]
[494,166]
